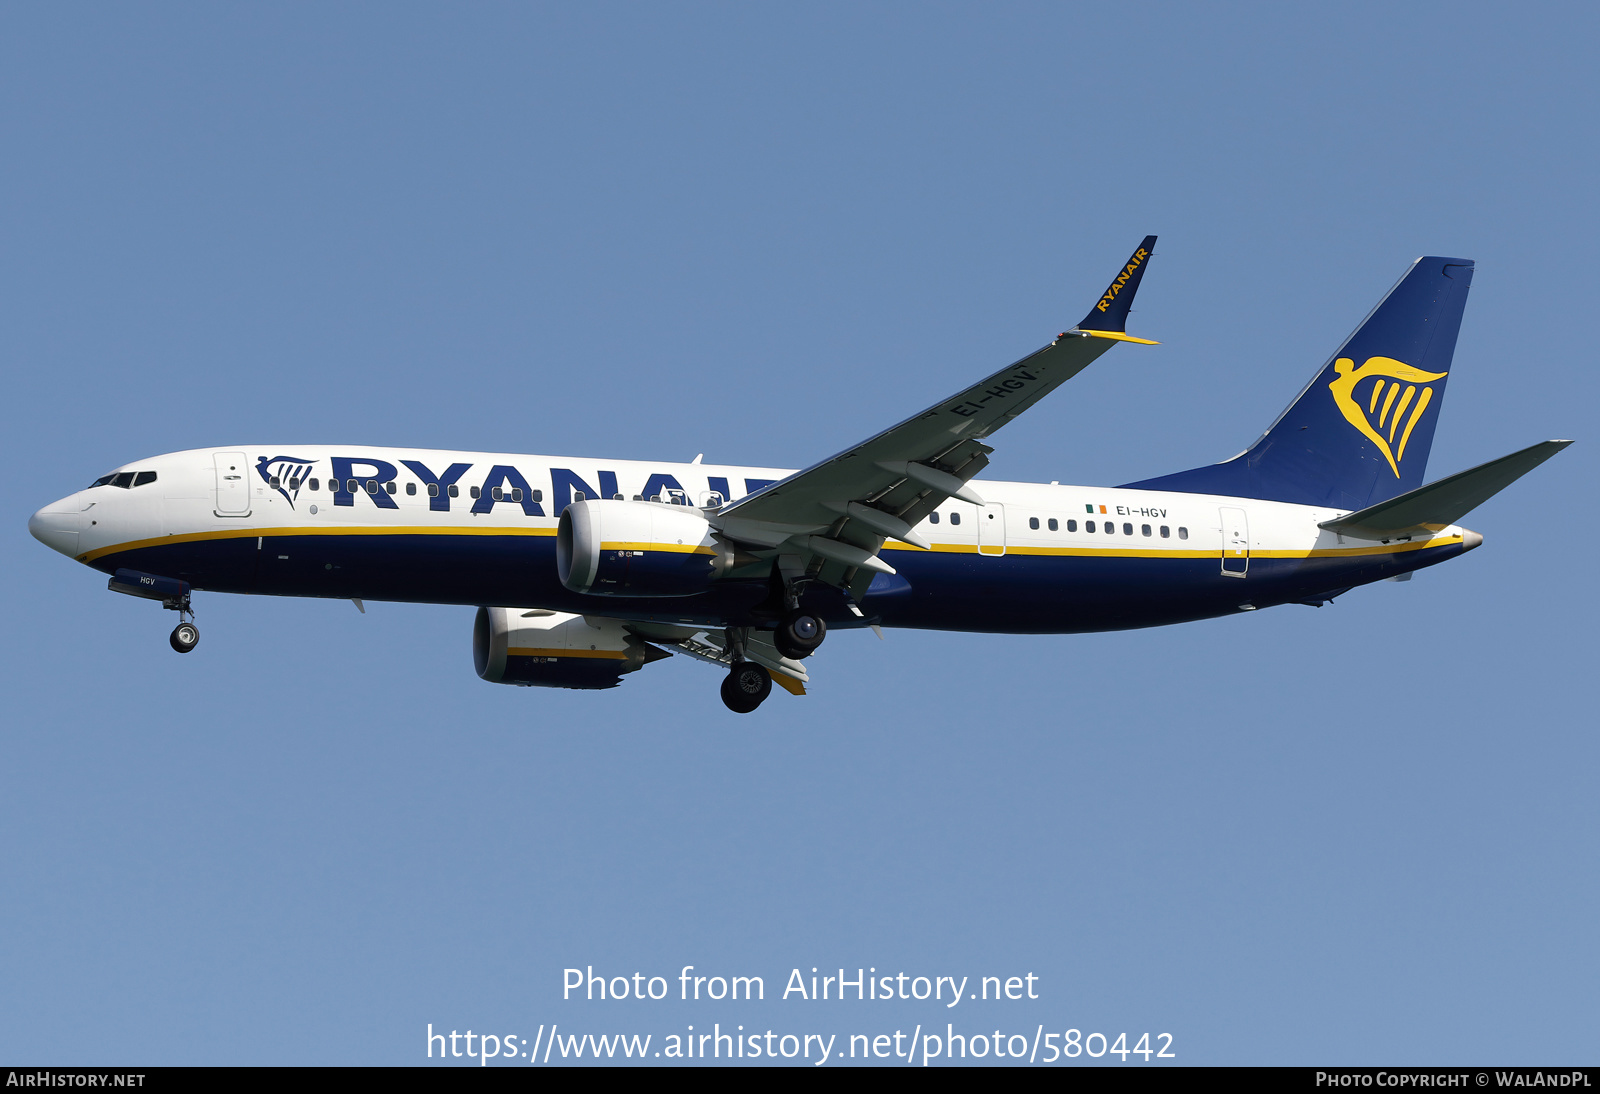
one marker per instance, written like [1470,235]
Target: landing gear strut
[185,636]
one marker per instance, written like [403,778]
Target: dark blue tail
[1360,431]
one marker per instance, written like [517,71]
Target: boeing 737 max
[585,570]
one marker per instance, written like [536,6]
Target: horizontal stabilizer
[1443,503]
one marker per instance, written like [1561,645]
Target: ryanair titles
[1122,279]
[347,477]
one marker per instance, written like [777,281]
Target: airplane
[585,570]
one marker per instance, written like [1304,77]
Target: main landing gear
[799,634]
[747,684]
[745,687]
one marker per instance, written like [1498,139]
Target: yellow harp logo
[1394,385]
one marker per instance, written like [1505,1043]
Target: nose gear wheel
[185,637]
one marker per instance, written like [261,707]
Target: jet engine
[538,648]
[640,548]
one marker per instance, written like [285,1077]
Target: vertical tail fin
[1360,431]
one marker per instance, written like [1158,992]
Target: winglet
[1110,314]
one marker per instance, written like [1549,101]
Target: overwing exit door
[992,530]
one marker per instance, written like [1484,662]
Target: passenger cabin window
[933,518]
[455,491]
[433,490]
[144,478]
[516,493]
[1183,533]
[1166,533]
[955,518]
[1055,525]
[1127,529]
[294,484]
[1072,526]
[273,482]
[716,499]
[411,489]
[372,486]
[496,494]
[313,485]
[579,495]
[351,486]
[538,495]
[1088,526]
[1033,522]
[475,492]
[390,486]
[1111,527]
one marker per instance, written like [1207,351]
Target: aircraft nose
[57,527]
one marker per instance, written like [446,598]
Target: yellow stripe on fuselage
[1135,552]
[987,550]
[319,530]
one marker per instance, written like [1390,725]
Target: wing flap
[710,646]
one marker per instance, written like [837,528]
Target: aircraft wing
[829,521]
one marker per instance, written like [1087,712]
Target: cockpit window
[125,479]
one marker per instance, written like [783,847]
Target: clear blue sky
[1361,834]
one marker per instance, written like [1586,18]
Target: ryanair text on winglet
[1122,279]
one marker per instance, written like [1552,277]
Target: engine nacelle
[639,548]
[555,650]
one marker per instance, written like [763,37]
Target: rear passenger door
[1235,542]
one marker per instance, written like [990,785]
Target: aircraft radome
[584,570]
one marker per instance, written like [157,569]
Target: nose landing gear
[185,637]
[174,596]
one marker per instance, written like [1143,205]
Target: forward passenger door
[233,489]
